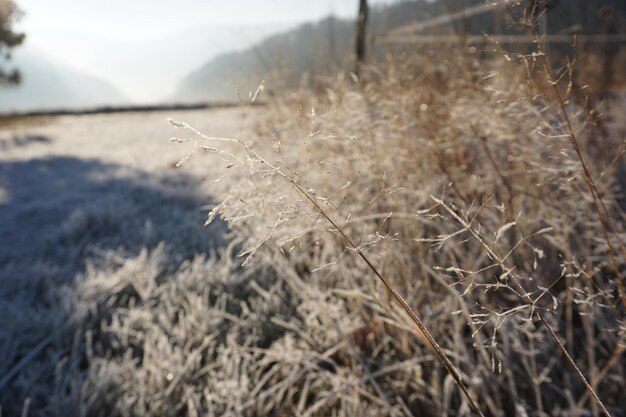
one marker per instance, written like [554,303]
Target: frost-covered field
[464,191]
[94,215]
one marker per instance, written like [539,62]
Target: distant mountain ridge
[310,48]
[315,48]
[147,70]
[48,84]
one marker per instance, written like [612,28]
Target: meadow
[488,194]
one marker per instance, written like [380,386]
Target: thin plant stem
[530,302]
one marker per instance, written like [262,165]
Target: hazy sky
[138,19]
[144,47]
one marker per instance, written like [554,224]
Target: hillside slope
[47,84]
[318,48]
[310,48]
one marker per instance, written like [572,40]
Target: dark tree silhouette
[9,13]
[361,29]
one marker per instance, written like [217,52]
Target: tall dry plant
[463,185]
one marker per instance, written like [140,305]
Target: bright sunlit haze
[143,48]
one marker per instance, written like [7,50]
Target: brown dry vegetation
[465,187]
[460,180]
